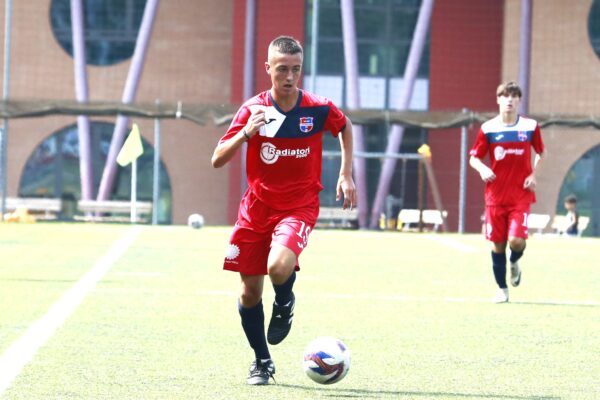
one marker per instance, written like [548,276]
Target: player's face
[284,70]
[508,103]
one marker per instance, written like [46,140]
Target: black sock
[515,255]
[499,266]
[283,292]
[253,322]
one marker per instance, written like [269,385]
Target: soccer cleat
[501,296]
[281,321]
[260,372]
[515,274]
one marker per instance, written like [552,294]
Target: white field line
[141,274]
[452,243]
[21,352]
[414,299]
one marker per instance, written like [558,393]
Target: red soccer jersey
[509,148]
[283,161]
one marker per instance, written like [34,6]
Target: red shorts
[502,222]
[258,226]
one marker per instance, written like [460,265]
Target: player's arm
[531,182]
[345,184]
[486,173]
[226,149]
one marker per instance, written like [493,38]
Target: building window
[384,31]
[594,26]
[52,170]
[110,28]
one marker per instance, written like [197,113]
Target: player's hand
[530,183]
[346,187]
[486,174]
[256,121]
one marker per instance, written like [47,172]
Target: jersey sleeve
[336,120]
[481,146]
[536,140]
[239,121]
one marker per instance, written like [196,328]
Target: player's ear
[267,67]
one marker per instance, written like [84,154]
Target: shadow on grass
[376,394]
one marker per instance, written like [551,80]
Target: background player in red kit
[284,128]
[510,181]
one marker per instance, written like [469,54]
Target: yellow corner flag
[132,148]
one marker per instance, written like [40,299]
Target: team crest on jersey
[306,124]
[522,136]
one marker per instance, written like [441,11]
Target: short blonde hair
[286,45]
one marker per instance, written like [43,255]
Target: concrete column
[131,84]
[353,103]
[525,54]
[395,137]
[86,172]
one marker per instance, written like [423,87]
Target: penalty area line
[22,351]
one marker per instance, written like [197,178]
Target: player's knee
[516,243]
[280,270]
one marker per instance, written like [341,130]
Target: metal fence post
[156,170]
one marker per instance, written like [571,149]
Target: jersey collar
[300,93]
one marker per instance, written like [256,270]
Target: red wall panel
[465,69]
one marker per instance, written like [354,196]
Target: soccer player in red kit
[284,129]
[509,181]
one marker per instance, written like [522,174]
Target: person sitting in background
[572,216]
